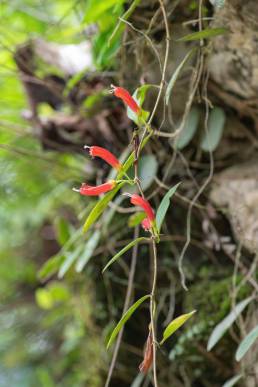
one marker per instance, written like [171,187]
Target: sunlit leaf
[232,381]
[124,319]
[175,75]
[121,252]
[247,342]
[175,325]
[164,205]
[226,323]
[204,34]
[189,129]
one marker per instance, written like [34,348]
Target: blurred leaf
[100,207]
[247,342]
[121,252]
[69,260]
[226,323]
[62,228]
[175,75]
[175,325]
[215,128]
[95,9]
[164,205]
[51,266]
[218,3]
[232,381]
[44,298]
[204,34]
[189,129]
[89,248]
[139,96]
[126,317]
[119,27]
[136,219]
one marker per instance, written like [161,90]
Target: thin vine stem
[152,310]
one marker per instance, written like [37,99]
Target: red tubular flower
[137,200]
[89,190]
[122,93]
[97,151]
[148,355]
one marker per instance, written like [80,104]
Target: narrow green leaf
[136,219]
[232,381]
[215,128]
[164,205]
[89,248]
[95,9]
[226,323]
[100,207]
[247,342]
[175,325]
[51,266]
[124,250]
[175,75]
[62,229]
[69,260]
[119,27]
[204,34]
[189,129]
[124,319]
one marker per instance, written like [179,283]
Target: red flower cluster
[97,151]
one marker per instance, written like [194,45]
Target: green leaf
[226,323]
[232,381]
[139,96]
[95,9]
[121,252]
[189,129]
[119,27]
[100,207]
[164,205]
[124,319]
[247,342]
[175,325]
[136,219]
[215,128]
[62,228]
[89,248]
[51,266]
[204,34]
[69,260]
[175,75]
